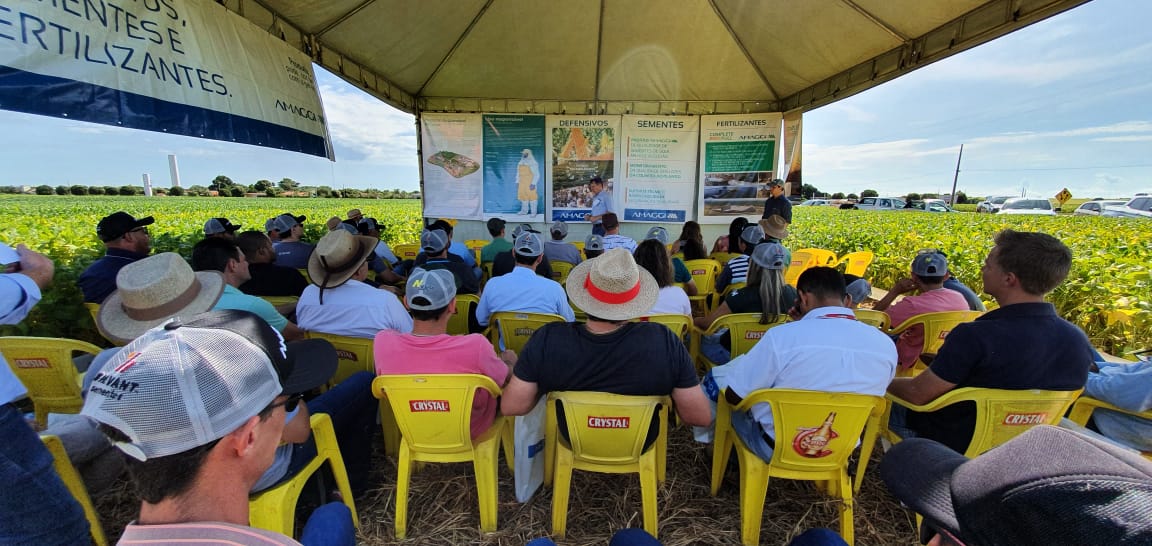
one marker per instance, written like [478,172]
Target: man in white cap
[220,227]
[199,406]
[556,249]
[522,289]
[224,256]
[505,262]
[339,301]
[609,353]
[434,255]
[431,295]
[291,251]
[929,271]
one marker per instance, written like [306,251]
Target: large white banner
[452,152]
[186,67]
[738,158]
[659,174]
[581,147]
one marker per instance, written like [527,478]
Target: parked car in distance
[992,204]
[814,203]
[880,203]
[1138,207]
[1027,205]
[1094,208]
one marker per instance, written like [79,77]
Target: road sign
[1063,196]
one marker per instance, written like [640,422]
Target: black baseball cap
[115,225]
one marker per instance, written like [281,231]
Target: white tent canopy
[631,56]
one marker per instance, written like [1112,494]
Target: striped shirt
[619,241]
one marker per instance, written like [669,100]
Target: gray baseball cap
[752,234]
[528,244]
[521,228]
[560,227]
[594,242]
[436,287]
[286,221]
[433,241]
[930,265]
[770,256]
[658,233]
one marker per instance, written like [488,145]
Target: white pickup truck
[880,203]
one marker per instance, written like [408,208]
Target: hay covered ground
[443,508]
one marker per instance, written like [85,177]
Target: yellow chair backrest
[44,366]
[75,485]
[856,263]
[475,245]
[304,271]
[820,256]
[277,301]
[581,316]
[879,319]
[936,328]
[515,328]
[1085,405]
[801,261]
[94,310]
[579,246]
[355,354]
[606,433]
[704,274]
[560,271]
[458,323]
[274,509]
[723,257]
[731,288]
[406,251]
[1001,414]
[744,329]
[680,325]
[815,432]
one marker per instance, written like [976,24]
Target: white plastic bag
[529,443]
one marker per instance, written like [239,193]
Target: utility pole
[952,201]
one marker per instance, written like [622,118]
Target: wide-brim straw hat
[611,286]
[337,256]
[775,226]
[152,290]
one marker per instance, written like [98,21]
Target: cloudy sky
[1064,103]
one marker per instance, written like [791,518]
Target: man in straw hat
[1048,486]
[339,301]
[609,353]
[199,406]
[523,290]
[225,257]
[431,295]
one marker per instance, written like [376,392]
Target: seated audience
[558,250]
[126,240]
[291,251]
[1126,386]
[499,243]
[690,243]
[929,270]
[736,270]
[593,246]
[653,257]
[505,262]
[268,279]
[680,273]
[435,255]
[522,289]
[765,293]
[613,239]
[457,248]
[224,256]
[220,227]
[725,243]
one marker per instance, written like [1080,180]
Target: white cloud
[1121,128]
[1132,138]
[369,127]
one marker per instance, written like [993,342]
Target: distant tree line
[225,187]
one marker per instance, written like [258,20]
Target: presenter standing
[601,205]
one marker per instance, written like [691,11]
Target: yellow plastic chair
[606,434]
[355,355]
[936,328]
[704,274]
[406,251]
[560,271]
[856,263]
[458,323]
[275,509]
[304,271]
[434,413]
[732,287]
[723,257]
[820,256]
[744,329]
[475,245]
[579,313]
[44,365]
[75,485]
[280,300]
[681,325]
[515,327]
[801,261]
[579,246]
[1085,405]
[1001,414]
[815,433]
[94,310]
[879,319]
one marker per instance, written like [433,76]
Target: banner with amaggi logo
[659,180]
[580,147]
[187,67]
[738,155]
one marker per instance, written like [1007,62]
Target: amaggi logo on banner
[428,405]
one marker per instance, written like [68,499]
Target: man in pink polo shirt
[929,271]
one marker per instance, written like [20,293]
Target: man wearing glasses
[127,240]
[199,407]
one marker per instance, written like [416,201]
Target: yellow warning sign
[1063,196]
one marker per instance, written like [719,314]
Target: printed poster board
[738,158]
[452,152]
[580,147]
[659,174]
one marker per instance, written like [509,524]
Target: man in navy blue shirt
[1022,345]
[127,240]
[777,203]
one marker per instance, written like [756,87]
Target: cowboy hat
[775,226]
[152,290]
[337,257]
[611,286]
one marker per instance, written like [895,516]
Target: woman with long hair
[691,242]
[766,293]
[727,243]
[653,256]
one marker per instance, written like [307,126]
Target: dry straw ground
[443,507]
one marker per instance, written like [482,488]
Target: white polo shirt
[828,350]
